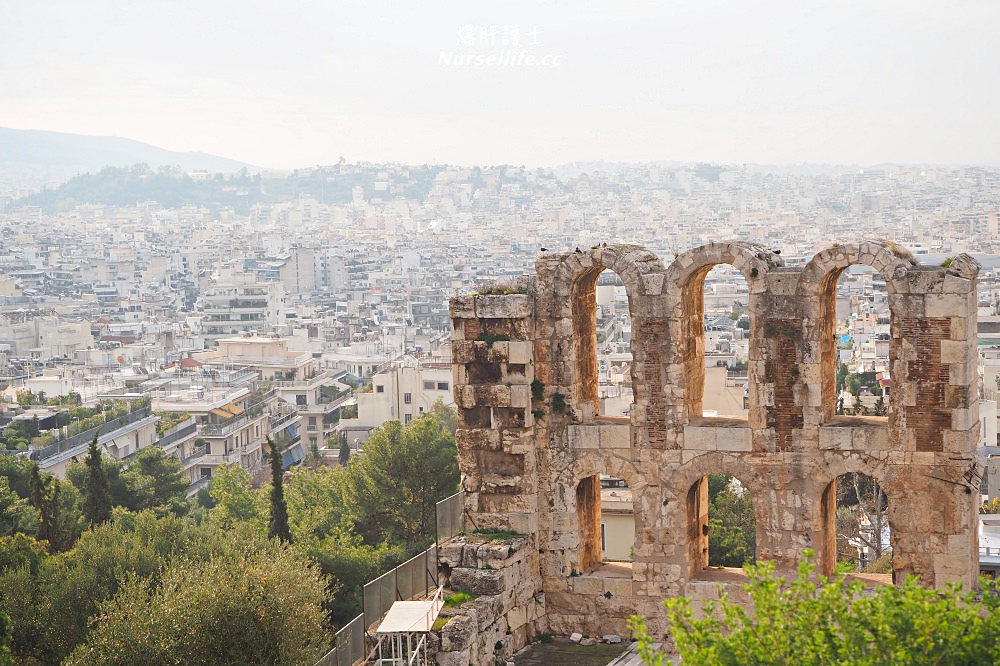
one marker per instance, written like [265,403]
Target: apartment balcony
[216,459]
[304,384]
[279,422]
[231,426]
[195,456]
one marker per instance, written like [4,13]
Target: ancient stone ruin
[531,445]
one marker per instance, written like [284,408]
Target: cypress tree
[278,524]
[45,498]
[98,507]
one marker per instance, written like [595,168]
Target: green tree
[392,489]
[158,482]
[122,493]
[264,608]
[814,621]
[45,499]
[98,494]
[732,534]
[235,501]
[345,452]
[16,514]
[5,638]
[277,526]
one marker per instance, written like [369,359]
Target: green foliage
[97,508]
[814,620]
[59,518]
[349,564]
[501,289]
[497,533]
[277,526]
[168,420]
[235,501]
[403,473]
[559,404]
[490,338]
[538,389]
[156,481]
[458,598]
[16,514]
[259,607]
[732,536]
[5,637]
[345,453]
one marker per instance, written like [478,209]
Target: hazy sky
[294,83]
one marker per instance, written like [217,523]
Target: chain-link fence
[351,645]
[412,579]
[449,513]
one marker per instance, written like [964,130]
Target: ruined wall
[525,385]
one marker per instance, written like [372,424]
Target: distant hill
[71,154]
[125,186]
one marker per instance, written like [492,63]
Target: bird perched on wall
[543,249]
[778,251]
[578,251]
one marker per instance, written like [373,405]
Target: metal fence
[449,516]
[350,645]
[87,435]
[410,580]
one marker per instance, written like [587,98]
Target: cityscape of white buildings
[311,320]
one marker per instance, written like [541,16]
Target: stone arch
[818,282]
[878,470]
[689,503]
[584,503]
[686,276]
[574,345]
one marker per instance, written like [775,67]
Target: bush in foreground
[819,621]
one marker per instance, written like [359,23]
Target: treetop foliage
[201,582]
[814,621]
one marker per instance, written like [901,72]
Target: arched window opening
[602,331]
[857,340]
[863,536]
[614,346]
[606,521]
[721,522]
[716,303]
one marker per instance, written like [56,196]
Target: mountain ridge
[72,154]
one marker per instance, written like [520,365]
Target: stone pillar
[493,363]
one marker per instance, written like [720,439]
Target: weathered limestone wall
[509,611]
[529,437]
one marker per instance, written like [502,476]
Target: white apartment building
[231,309]
[402,391]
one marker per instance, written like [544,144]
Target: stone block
[520,396]
[699,438]
[954,351]
[615,436]
[510,306]
[734,439]
[462,306]
[519,351]
[587,584]
[453,658]
[478,581]
[618,587]
[945,305]
[584,437]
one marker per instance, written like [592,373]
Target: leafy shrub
[819,620]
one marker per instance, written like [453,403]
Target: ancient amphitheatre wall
[531,445]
